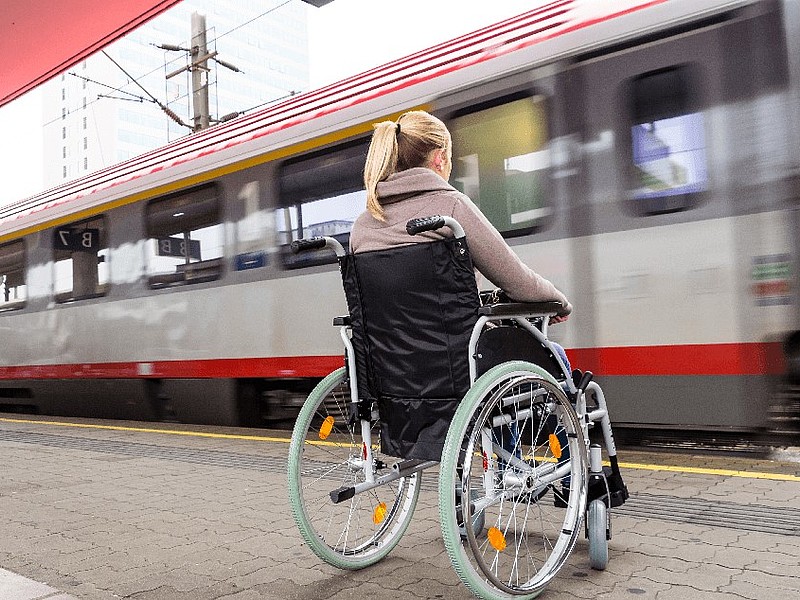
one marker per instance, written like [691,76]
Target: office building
[95,115]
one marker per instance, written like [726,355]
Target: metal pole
[199,72]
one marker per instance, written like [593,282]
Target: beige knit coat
[421,192]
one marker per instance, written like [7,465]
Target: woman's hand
[562,316]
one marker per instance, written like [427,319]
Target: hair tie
[397,128]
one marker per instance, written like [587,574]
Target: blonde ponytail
[381,162]
[399,146]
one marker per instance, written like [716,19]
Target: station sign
[177,247]
[75,239]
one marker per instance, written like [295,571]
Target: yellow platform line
[223,436]
[708,471]
[286,440]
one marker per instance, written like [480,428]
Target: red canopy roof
[41,38]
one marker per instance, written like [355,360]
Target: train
[641,154]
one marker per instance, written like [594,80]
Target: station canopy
[41,38]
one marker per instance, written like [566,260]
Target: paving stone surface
[96,514]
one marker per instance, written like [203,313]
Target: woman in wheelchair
[437,380]
[406,172]
[408,164]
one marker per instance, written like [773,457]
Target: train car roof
[550,32]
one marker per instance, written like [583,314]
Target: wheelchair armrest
[521,309]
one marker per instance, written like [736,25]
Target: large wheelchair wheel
[326,453]
[516,447]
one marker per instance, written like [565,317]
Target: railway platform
[97,510]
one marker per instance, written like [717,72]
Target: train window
[13,290]
[186,242]
[320,194]
[501,161]
[668,149]
[80,254]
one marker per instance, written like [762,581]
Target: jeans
[563,355]
[510,440]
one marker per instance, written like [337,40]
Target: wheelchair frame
[509,483]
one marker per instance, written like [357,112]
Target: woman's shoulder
[451,198]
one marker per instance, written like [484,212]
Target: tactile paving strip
[713,513]
[191,455]
[697,511]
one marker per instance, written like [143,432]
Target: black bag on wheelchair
[412,310]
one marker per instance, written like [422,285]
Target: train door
[779,278]
[679,229]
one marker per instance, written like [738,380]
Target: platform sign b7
[75,239]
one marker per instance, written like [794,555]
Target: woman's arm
[498,263]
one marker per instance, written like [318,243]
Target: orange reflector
[326,428]
[496,539]
[379,514]
[555,445]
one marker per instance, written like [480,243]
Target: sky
[345,37]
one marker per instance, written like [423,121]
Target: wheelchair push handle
[432,223]
[317,243]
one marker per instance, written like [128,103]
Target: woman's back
[420,192]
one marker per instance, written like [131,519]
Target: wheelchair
[433,378]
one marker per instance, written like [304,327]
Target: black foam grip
[314,243]
[415,226]
[585,380]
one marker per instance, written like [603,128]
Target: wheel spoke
[344,534]
[536,445]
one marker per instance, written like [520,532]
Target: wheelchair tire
[531,521]
[597,532]
[359,531]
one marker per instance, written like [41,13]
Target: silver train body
[643,155]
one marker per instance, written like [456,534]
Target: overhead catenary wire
[113,88]
[256,18]
[239,113]
[100,83]
[167,110]
[177,47]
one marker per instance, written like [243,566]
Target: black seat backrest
[412,310]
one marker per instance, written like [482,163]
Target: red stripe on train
[691,359]
[277,367]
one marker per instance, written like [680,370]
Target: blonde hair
[397,146]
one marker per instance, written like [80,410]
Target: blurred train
[642,154]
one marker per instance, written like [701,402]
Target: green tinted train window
[13,290]
[501,161]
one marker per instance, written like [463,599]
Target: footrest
[614,494]
[343,493]
[617,489]
[618,497]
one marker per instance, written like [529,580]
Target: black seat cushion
[501,344]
